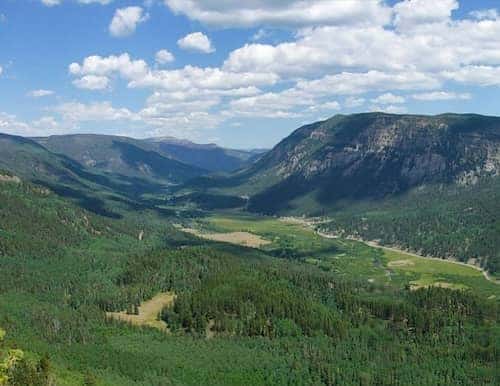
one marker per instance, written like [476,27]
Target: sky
[242,74]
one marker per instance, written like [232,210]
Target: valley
[140,258]
[307,244]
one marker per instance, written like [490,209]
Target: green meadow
[352,259]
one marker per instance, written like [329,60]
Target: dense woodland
[443,221]
[242,316]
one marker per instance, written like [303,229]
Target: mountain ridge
[207,157]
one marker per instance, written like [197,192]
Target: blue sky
[239,75]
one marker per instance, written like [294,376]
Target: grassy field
[246,239]
[348,258]
[147,312]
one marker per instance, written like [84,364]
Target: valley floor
[302,235]
[375,244]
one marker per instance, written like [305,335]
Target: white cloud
[164,57]
[139,74]
[350,83]
[1,70]
[440,96]
[92,82]
[450,43]
[478,75]
[281,13]
[103,66]
[46,125]
[388,98]
[354,52]
[196,41]
[409,13]
[98,111]
[125,21]
[202,78]
[40,93]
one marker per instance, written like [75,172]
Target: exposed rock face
[375,154]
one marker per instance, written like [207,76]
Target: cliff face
[375,154]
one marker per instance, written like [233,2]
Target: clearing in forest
[246,239]
[148,312]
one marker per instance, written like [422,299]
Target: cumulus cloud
[1,70]
[164,57]
[478,75]
[410,13]
[139,74]
[40,93]
[196,41]
[351,83]
[340,55]
[46,125]
[125,21]
[92,82]
[98,111]
[281,13]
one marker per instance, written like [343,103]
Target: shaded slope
[121,155]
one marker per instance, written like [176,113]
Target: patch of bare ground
[148,312]
[246,239]
[7,178]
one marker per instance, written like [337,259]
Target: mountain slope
[98,192]
[120,155]
[373,155]
[163,158]
[206,156]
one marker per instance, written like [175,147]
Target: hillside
[373,155]
[120,155]
[165,158]
[92,189]
[209,156]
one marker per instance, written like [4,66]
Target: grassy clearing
[246,239]
[148,312]
[352,259]
[425,272]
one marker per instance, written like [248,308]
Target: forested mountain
[209,156]
[93,189]
[163,158]
[373,155]
[120,155]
